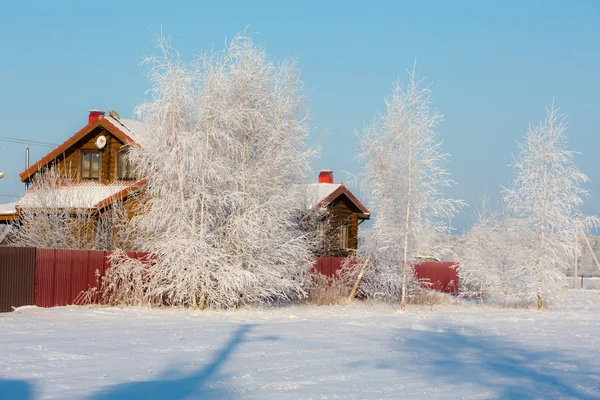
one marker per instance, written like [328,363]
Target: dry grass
[430,298]
[326,291]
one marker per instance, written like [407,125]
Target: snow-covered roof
[77,195]
[8,208]
[318,194]
[132,128]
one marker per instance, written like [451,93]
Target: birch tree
[510,257]
[55,213]
[478,273]
[224,157]
[546,193]
[491,257]
[403,180]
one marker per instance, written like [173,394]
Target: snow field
[362,351]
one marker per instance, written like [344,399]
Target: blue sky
[494,66]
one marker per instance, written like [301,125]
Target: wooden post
[358,279]
[590,248]
[576,262]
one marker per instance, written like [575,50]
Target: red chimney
[326,176]
[95,115]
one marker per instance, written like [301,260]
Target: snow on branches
[546,196]
[225,157]
[491,256]
[403,179]
[479,256]
[58,212]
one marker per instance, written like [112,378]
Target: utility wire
[23,141]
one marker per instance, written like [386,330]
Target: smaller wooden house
[342,215]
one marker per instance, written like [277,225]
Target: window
[343,235]
[125,169]
[90,164]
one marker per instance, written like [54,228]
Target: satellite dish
[101,142]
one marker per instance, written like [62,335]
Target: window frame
[128,166]
[83,153]
[344,235]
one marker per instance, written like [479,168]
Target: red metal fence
[50,277]
[58,277]
[443,276]
[328,266]
[64,276]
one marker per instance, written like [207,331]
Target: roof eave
[128,191]
[364,216]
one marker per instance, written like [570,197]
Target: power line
[24,141]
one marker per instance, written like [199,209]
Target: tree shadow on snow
[172,385]
[494,366]
[16,390]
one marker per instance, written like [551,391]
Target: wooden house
[96,169]
[342,215]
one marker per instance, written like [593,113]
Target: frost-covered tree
[55,214]
[403,180]
[546,195]
[224,155]
[478,272]
[491,256]
[510,256]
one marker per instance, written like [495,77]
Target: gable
[326,194]
[345,201]
[68,152]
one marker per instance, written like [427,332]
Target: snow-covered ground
[304,352]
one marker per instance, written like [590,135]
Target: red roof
[330,192]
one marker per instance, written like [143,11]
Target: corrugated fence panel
[106,264]
[79,275]
[63,278]
[17,277]
[328,265]
[143,256]
[96,263]
[44,277]
[442,275]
